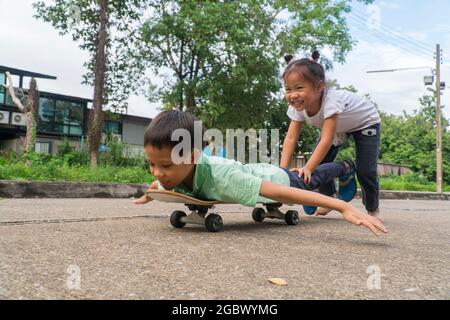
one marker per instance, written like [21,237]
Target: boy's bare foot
[323,211]
[376,214]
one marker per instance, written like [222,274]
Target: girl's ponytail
[311,69]
[315,55]
[288,58]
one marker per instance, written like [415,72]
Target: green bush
[71,165]
[115,155]
[56,170]
[410,182]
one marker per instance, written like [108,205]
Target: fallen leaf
[278,281]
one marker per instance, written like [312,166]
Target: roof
[25,73]
[136,118]
[115,116]
[62,96]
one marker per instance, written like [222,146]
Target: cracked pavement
[113,249]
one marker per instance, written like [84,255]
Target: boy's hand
[354,216]
[143,200]
[303,172]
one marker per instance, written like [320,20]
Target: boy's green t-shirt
[230,181]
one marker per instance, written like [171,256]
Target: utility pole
[437,94]
[438,122]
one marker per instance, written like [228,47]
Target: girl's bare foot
[323,211]
[376,214]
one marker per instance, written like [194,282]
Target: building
[58,117]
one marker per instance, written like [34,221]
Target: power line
[363,27]
[396,34]
[383,39]
[397,38]
[391,29]
[393,36]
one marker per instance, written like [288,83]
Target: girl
[338,113]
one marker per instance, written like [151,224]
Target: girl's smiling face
[301,93]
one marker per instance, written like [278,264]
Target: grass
[61,169]
[70,165]
[409,183]
[79,173]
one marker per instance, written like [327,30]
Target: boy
[230,181]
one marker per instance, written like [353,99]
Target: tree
[410,139]
[221,60]
[107,30]
[428,110]
[96,116]
[30,109]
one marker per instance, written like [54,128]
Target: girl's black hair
[159,133]
[309,68]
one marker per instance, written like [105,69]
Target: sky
[389,34]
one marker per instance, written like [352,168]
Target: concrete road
[113,249]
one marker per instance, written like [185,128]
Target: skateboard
[213,222]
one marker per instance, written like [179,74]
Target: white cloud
[420,36]
[393,91]
[36,46]
[389,5]
[441,27]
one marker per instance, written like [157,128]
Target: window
[19,94]
[113,127]
[60,117]
[43,147]
[76,131]
[46,109]
[2,89]
[46,115]
[5,98]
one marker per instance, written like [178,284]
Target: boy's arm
[145,198]
[290,142]
[286,194]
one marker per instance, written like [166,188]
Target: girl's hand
[143,200]
[303,172]
[354,216]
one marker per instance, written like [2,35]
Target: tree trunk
[190,100]
[29,110]
[30,113]
[96,117]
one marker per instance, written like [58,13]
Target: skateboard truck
[213,222]
[273,212]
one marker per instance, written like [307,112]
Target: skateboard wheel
[291,217]
[175,219]
[258,214]
[213,222]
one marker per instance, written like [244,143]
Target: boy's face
[169,174]
[301,93]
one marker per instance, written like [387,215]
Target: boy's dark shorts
[296,181]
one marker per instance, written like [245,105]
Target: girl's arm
[284,194]
[326,140]
[290,142]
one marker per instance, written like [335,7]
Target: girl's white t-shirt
[354,113]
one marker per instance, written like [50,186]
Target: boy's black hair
[311,70]
[159,133]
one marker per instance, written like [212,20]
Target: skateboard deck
[170,196]
[199,209]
